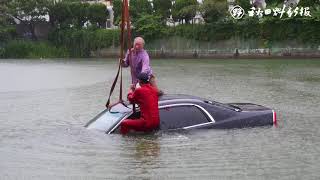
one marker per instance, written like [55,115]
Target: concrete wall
[176,47]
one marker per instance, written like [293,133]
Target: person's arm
[125,61]
[145,63]
[134,96]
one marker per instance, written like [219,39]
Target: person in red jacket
[147,98]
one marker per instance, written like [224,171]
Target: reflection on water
[45,104]
[147,150]
[146,154]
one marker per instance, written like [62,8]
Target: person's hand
[132,50]
[132,87]
[122,61]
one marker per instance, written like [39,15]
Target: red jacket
[147,98]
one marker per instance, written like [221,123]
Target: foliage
[162,8]
[245,4]
[303,30]
[313,4]
[223,29]
[269,30]
[139,7]
[1,52]
[185,30]
[274,2]
[75,14]
[117,8]
[97,14]
[30,49]
[212,11]
[7,30]
[7,33]
[136,8]
[78,13]
[60,14]
[316,12]
[80,42]
[34,11]
[70,38]
[3,10]
[184,10]
[149,27]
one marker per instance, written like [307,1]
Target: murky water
[45,104]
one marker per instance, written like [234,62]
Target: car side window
[181,116]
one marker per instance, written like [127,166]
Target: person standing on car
[147,98]
[139,62]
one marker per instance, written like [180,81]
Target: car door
[177,116]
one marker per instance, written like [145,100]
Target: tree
[97,14]
[3,6]
[66,14]
[245,4]
[79,13]
[309,3]
[7,28]
[162,8]
[117,8]
[3,11]
[212,11]
[30,11]
[274,2]
[60,14]
[138,8]
[148,26]
[184,10]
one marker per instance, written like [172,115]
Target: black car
[184,112]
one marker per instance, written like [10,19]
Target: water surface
[45,104]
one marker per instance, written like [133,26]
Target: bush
[269,29]
[1,52]
[7,33]
[45,50]
[209,32]
[30,49]
[17,49]
[80,42]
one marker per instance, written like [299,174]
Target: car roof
[179,98]
[169,99]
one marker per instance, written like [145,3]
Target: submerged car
[185,112]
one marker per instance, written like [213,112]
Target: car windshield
[106,120]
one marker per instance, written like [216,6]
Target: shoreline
[224,57]
[257,54]
[215,58]
[219,54]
